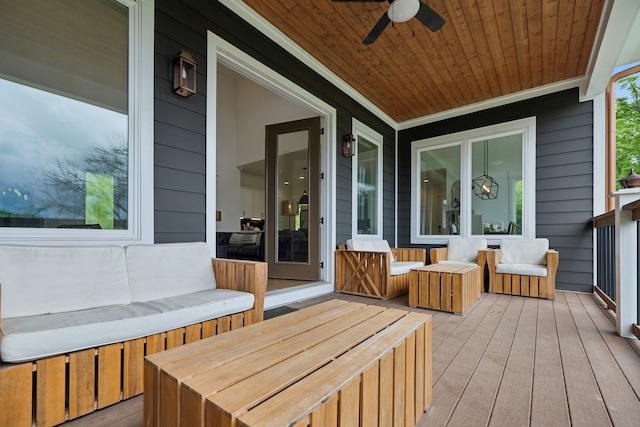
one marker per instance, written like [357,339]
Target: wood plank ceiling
[486,49]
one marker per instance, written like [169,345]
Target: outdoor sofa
[77,322]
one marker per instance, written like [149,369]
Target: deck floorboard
[508,361]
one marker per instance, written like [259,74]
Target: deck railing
[618,258]
[605,285]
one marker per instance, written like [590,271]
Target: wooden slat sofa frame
[53,390]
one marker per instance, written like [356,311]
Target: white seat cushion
[52,279]
[370,245]
[30,338]
[169,269]
[465,249]
[522,269]
[524,251]
[403,267]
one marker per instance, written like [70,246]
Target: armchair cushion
[465,250]
[370,245]
[522,269]
[524,251]
[403,267]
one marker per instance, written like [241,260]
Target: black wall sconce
[184,74]
[348,145]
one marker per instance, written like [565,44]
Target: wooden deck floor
[510,361]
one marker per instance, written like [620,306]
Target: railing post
[626,262]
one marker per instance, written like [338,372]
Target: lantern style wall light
[184,74]
[348,145]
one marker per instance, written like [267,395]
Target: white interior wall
[258,107]
[244,109]
[228,194]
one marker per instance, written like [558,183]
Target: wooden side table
[444,287]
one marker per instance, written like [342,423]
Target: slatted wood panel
[485,50]
[81,382]
[445,287]
[16,407]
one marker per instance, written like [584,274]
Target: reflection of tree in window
[65,184]
[628,128]
[367,186]
[59,98]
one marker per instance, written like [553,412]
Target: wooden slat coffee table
[339,362]
[444,287]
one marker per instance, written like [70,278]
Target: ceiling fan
[402,11]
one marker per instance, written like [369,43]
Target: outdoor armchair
[371,268]
[524,267]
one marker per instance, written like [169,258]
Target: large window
[367,180]
[71,130]
[479,182]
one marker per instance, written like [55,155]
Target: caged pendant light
[484,186]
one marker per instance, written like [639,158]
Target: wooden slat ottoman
[444,287]
[340,362]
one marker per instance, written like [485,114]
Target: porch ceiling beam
[616,45]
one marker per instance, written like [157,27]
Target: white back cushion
[169,269]
[53,279]
[524,251]
[370,245]
[465,249]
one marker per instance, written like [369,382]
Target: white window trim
[219,49]
[527,127]
[360,129]
[141,94]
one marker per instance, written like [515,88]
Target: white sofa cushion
[31,338]
[165,270]
[522,269]
[53,279]
[465,249]
[524,251]
[403,267]
[370,245]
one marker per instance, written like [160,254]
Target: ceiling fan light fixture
[403,10]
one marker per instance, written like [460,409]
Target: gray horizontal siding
[564,210]
[180,123]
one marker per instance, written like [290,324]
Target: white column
[626,263]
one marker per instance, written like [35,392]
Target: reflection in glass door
[292,183]
[293,200]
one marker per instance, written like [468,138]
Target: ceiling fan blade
[358,1]
[429,18]
[377,29]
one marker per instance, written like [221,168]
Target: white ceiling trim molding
[249,15]
[492,103]
[616,45]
